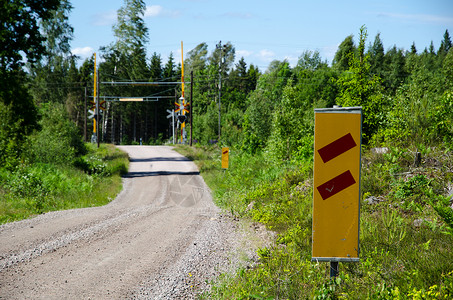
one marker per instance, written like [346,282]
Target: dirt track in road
[161,238]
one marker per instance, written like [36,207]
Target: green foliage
[130,31]
[441,118]
[358,87]
[342,59]
[406,239]
[57,142]
[20,32]
[10,137]
[31,189]
[292,126]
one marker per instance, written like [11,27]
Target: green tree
[236,85]
[130,29]
[223,57]
[445,45]
[59,139]
[20,40]
[20,32]
[292,125]
[315,80]
[253,74]
[75,98]
[309,60]
[156,67]
[344,54]
[126,60]
[359,87]
[395,69]
[413,49]
[169,71]
[196,60]
[447,69]
[50,74]
[261,104]
[376,56]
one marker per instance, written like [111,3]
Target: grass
[406,239]
[92,180]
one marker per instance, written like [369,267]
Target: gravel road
[161,238]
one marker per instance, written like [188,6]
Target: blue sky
[263,30]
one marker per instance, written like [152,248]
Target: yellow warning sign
[336,184]
[225,157]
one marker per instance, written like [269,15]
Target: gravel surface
[161,238]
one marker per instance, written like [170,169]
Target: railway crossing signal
[96,106]
[181,119]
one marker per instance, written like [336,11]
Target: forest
[405,94]
[266,116]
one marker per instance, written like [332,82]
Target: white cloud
[266,55]
[420,18]
[153,11]
[238,15]
[82,51]
[243,53]
[105,19]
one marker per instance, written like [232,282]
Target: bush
[58,141]
[10,137]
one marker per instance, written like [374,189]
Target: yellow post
[182,88]
[182,69]
[225,157]
[95,99]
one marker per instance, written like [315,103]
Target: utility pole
[85,118]
[191,107]
[113,128]
[98,111]
[173,125]
[219,47]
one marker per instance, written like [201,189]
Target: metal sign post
[336,192]
[171,114]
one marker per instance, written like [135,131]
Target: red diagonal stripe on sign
[336,185]
[337,147]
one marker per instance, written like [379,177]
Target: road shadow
[157,173]
[154,159]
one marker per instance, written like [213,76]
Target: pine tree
[395,64]
[169,71]
[156,67]
[413,48]
[445,45]
[376,52]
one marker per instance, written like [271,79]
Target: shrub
[10,137]
[59,140]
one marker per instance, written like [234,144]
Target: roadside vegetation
[406,218]
[56,171]
[267,119]
[406,235]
